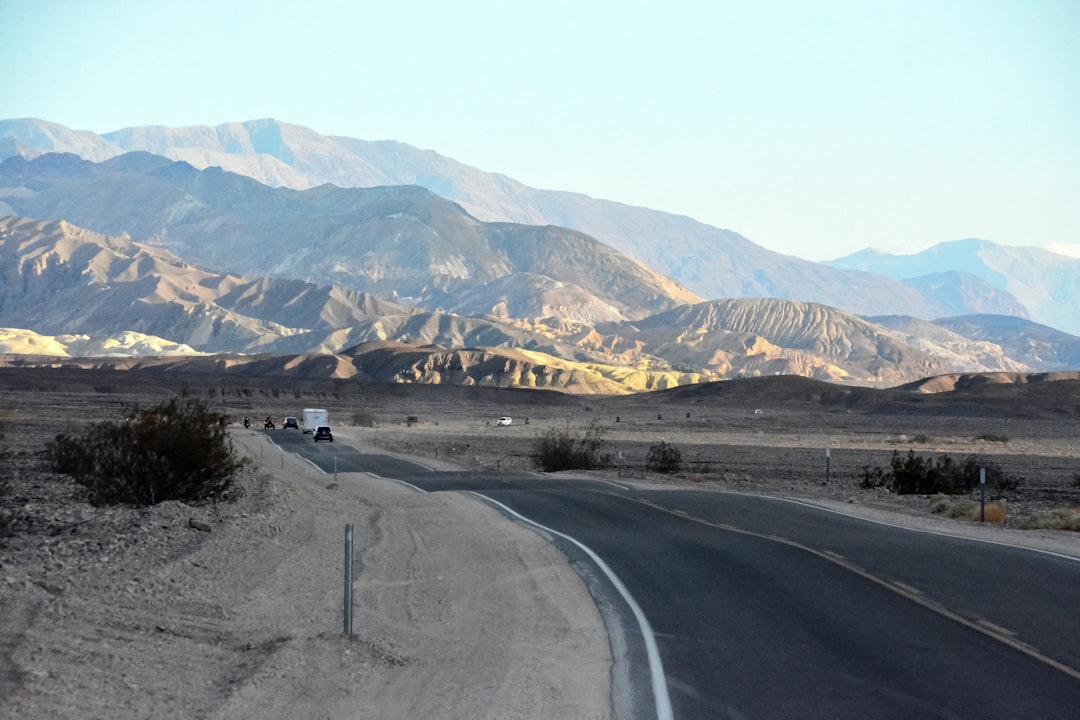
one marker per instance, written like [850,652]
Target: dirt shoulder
[135,613]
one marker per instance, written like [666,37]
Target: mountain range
[58,277]
[116,250]
[710,262]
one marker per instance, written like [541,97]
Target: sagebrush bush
[362,419]
[561,450]
[1058,519]
[178,450]
[664,458]
[913,474]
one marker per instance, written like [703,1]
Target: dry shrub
[563,450]
[940,504]
[664,458]
[1057,519]
[178,450]
[995,512]
[913,474]
[363,419]
[695,477]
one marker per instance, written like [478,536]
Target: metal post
[827,463]
[335,468]
[982,494]
[348,579]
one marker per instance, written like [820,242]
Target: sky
[813,128]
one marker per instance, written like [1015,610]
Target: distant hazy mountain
[400,242]
[960,293]
[1045,283]
[710,262]
[1032,344]
[62,281]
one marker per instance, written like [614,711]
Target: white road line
[614,484]
[656,668]
[399,482]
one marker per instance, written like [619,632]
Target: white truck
[313,418]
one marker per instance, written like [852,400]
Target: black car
[291,422]
[323,433]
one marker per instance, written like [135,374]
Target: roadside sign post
[827,463]
[348,579]
[982,494]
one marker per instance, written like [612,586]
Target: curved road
[764,608]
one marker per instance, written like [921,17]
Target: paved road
[761,608]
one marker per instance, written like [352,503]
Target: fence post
[348,579]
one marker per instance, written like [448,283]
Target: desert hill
[998,396]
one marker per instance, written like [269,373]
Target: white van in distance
[313,418]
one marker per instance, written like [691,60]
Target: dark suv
[323,433]
[290,422]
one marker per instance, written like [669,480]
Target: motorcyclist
[247,421]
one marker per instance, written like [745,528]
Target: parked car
[291,422]
[323,433]
[504,421]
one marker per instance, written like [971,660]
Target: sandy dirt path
[458,612]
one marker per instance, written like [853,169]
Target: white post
[348,579]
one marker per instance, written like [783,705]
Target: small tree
[178,450]
[664,458]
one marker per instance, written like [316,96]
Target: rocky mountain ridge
[394,242]
[60,279]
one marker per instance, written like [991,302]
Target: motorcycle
[269,424]
[247,423]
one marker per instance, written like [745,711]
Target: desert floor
[131,613]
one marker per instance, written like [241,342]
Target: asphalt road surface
[732,606]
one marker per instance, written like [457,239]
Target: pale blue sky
[812,128]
